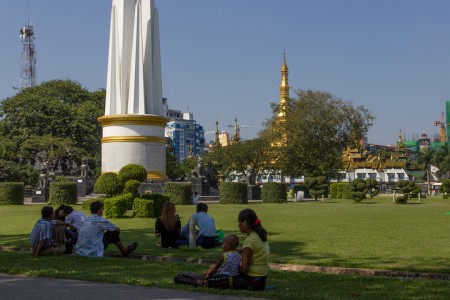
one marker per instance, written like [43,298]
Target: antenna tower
[28,68]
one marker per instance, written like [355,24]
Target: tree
[58,108]
[174,168]
[54,152]
[318,127]
[317,186]
[426,158]
[240,157]
[442,159]
[359,188]
[372,185]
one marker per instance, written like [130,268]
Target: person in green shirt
[255,253]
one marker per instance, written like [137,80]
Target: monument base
[200,185]
[151,187]
[85,186]
[39,196]
[253,192]
[134,139]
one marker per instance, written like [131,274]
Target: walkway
[13,287]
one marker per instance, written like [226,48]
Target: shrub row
[11,193]
[180,193]
[274,192]
[233,193]
[63,192]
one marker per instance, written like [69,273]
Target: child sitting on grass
[220,274]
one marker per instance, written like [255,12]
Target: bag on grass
[190,278]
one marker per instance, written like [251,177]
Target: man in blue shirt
[41,235]
[206,235]
[96,233]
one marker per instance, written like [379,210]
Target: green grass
[289,285]
[373,234]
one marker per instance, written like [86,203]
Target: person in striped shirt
[41,235]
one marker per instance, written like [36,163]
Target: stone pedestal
[151,187]
[200,185]
[253,192]
[85,186]
[39,196]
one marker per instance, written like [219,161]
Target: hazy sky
[221,59]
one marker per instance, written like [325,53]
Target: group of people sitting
[244,268]
[91,235]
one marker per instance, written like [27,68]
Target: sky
[221,59]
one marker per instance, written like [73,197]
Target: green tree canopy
[57,111]
[317,128]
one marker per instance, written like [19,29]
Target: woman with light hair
[168,226]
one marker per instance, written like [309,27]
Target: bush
[179,192]
[116,207]
[132,172]
[143,208]
[340,189]
[359,189]
[402,199]
[273,192]
[158,202]
[109,184]
[346,191]
[11,193]
[131,187]
[333,190]
[87,204]
[63,192]
[233,193]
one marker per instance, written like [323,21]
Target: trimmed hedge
[158,202]
[11,193]
[347,192]
[274,192]
[233,193]
[341,186]
[132,172]
[333,190]
[116,207]
[63,192]
[180,193]
[87,204]
[109,184]
[143,208]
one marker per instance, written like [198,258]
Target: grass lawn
[373,234]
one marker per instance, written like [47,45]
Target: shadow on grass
[18,240]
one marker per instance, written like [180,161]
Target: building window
[401,176]
[391,175]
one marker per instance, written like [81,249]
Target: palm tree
[442,160]
[426,158]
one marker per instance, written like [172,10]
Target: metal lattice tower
[28,68]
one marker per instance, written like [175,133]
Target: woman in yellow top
[255,253]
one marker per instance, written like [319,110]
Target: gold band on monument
[134,139]
[112,120]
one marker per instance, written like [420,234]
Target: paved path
[13,287]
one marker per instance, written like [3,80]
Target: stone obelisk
[133,125]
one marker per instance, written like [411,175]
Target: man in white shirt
[96,233]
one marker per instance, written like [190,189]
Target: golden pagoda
[237,136]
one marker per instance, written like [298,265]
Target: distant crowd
[236,268]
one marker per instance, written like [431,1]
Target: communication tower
[28,68]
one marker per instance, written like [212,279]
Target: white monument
[133,125]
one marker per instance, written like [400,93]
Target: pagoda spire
[236,137]
[217,139]
[284,90]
